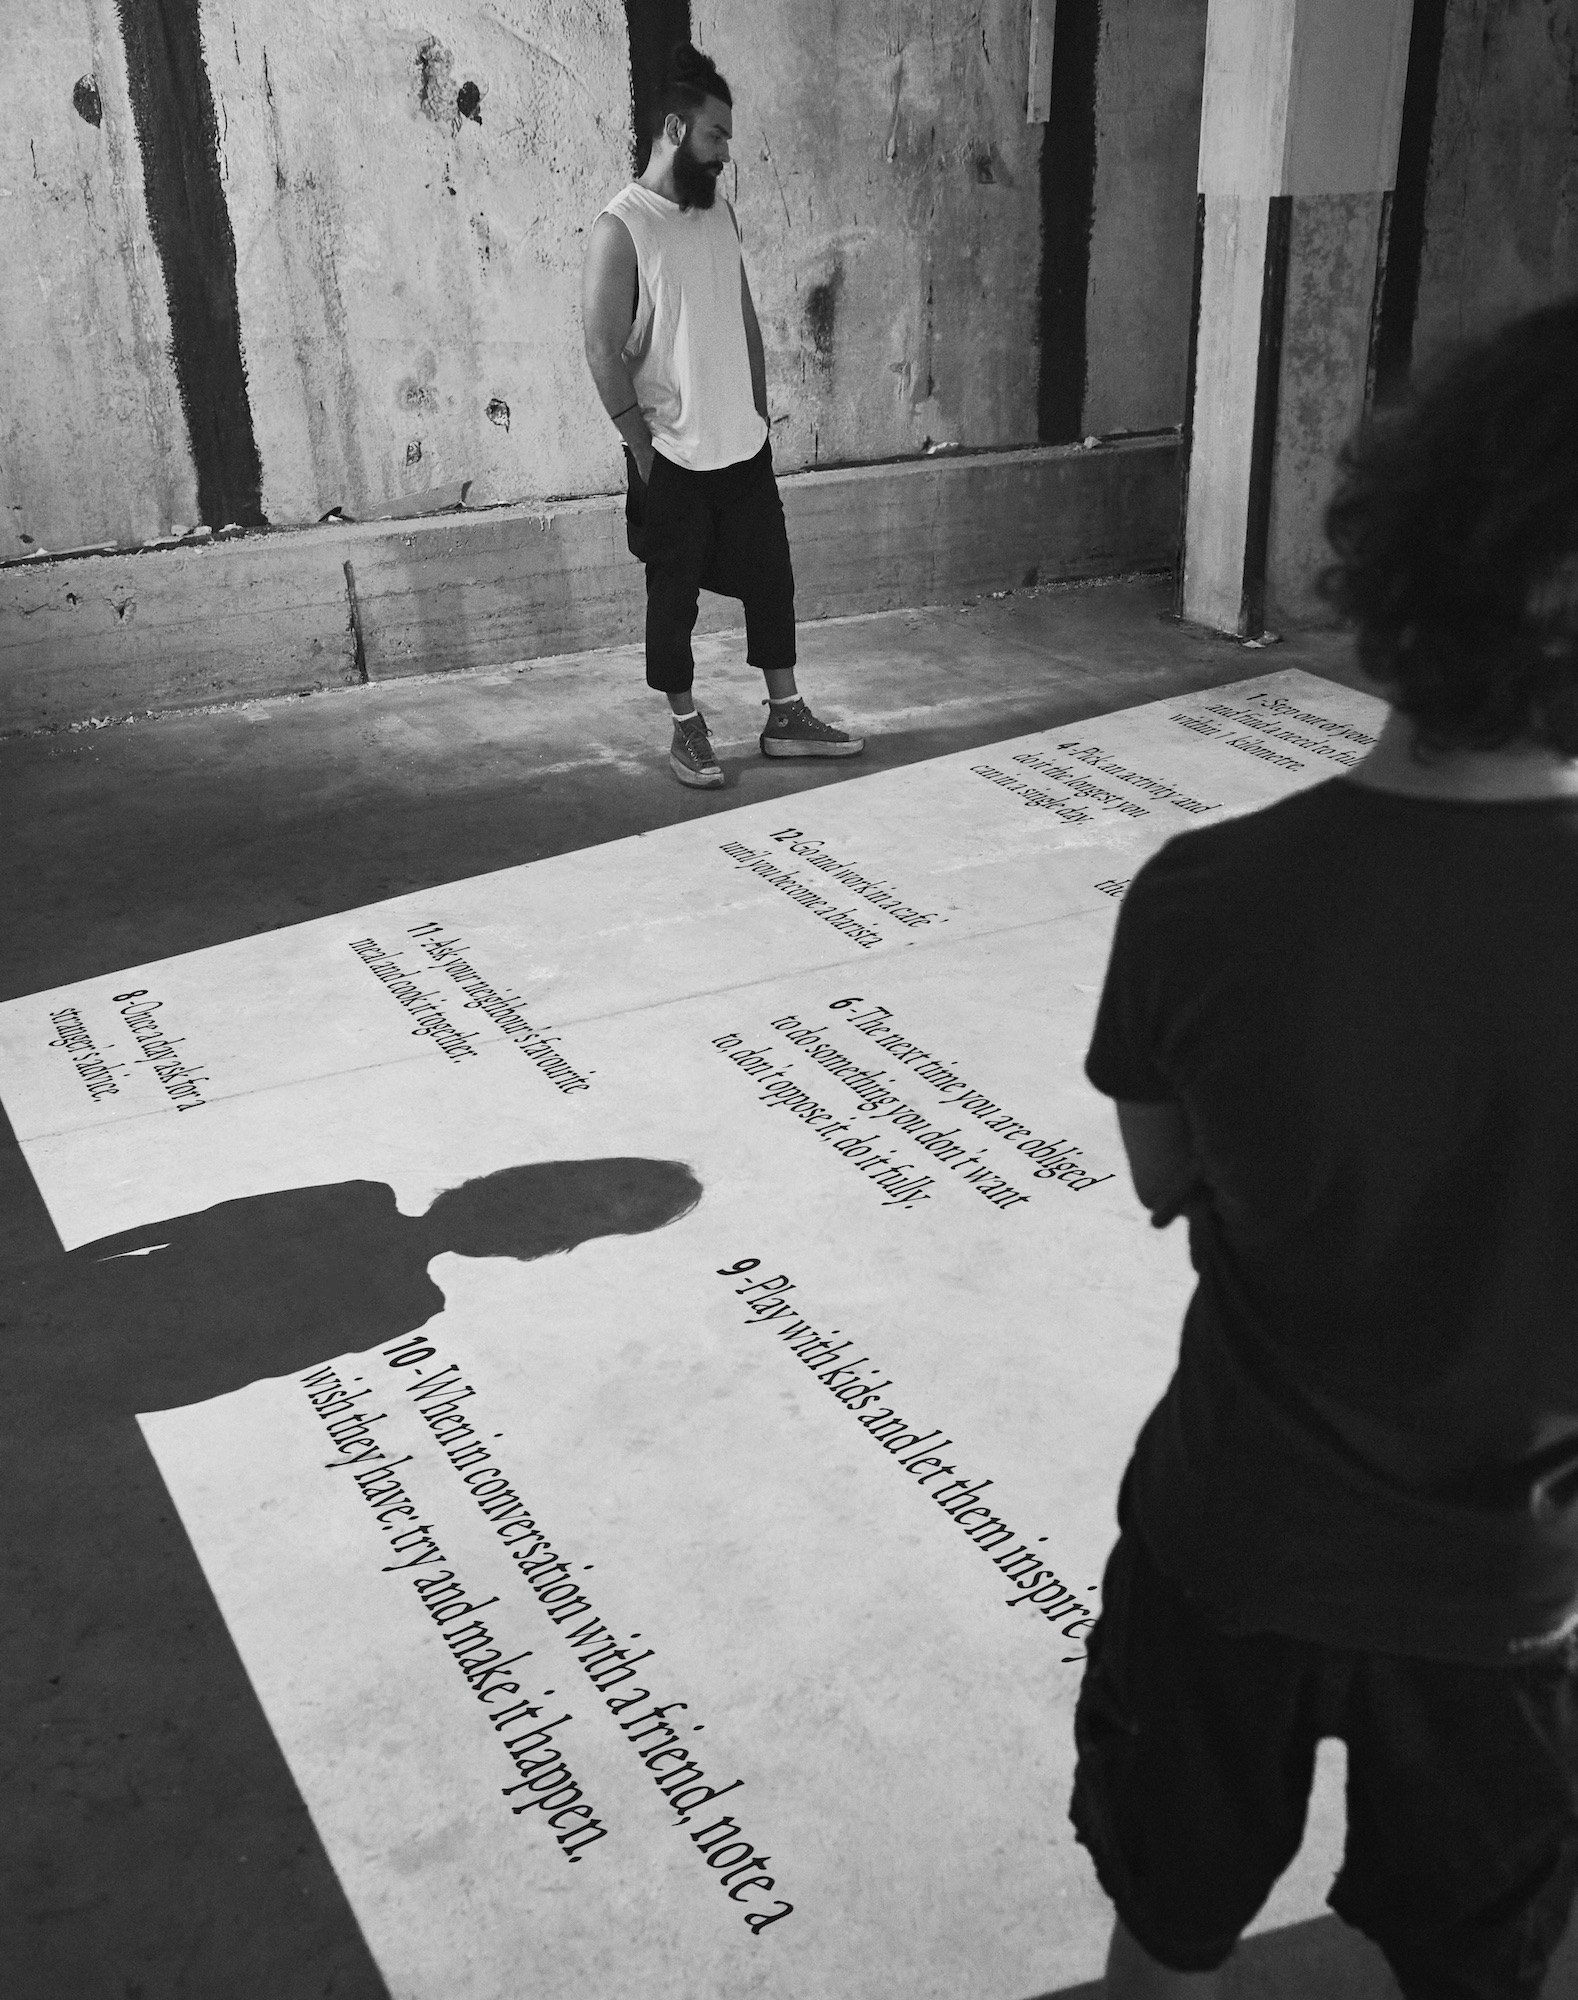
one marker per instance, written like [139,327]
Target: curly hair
[1455,527]
[690,80]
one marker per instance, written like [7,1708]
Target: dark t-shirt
[1367,1006]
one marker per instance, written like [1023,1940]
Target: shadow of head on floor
[193,1306]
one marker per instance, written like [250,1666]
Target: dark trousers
[1195,1754]
[721,531]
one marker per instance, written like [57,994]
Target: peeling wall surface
[93,442]
[1501,209]
[1150,71]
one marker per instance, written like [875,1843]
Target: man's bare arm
[1162,1159]
[608,285]
[753,346]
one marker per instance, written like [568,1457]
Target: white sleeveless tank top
[686,352]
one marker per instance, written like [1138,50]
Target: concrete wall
[888,191]
[408,277]
[1500,236]
[115,635]
[408,250]
[1333,241]
[93,443]
[1501,208]
[1149,72]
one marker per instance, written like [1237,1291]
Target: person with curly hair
[675,350]
[1340,1034]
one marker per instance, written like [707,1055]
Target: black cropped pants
[1195,1754]
[721,531]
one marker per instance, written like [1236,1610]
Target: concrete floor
[135,841]
[138,1866]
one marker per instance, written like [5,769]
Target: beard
[695,180]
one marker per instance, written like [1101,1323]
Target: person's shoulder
[353,1200]
[331,1207]
[1269,840]
[630,200]
[1264,828]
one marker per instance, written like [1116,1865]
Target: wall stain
[173,110]
[322,210]
[821,313]
[1398,303]
[498,412]
[275,147]
[173,492]
[358,641]
[85,98]
[306,220]
[772,164]
[434,69]
[468,102]
[653,26]
[890,147]
[1068,195]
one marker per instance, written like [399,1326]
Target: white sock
[689,715]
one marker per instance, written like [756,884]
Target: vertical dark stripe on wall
[1068,195]
[1186,439]
[655,26]
[1399,303]
[1263,436]
[1383,244]
[178,135]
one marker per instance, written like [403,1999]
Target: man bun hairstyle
[690,79]
[1455,527]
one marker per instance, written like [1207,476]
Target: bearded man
[676,353]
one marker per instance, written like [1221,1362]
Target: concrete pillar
[1298,153]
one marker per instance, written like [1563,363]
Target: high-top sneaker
[690,754]
[793,731]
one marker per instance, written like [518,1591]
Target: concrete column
[1298,152]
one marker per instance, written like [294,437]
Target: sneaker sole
[782,747]
[704,780]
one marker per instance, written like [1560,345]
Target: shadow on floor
[1324,1959]
[154,1841]
[1319,1960]
[133,844]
